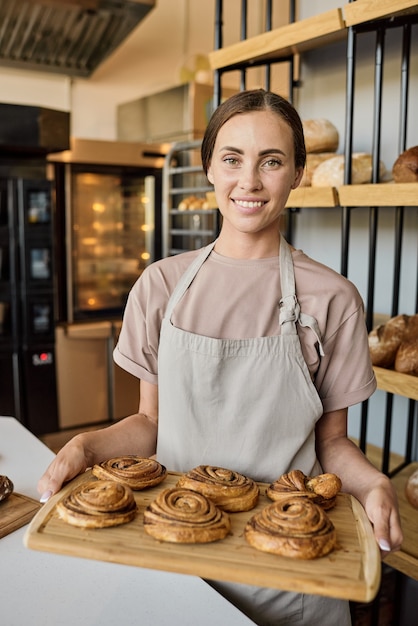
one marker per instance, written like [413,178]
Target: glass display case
[112,239]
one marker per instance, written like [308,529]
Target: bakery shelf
[284,41]
[406,559]
[313,197]
[383,194]
[363,11]
[397,383]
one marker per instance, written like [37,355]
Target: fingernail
[45,496]
[384,545]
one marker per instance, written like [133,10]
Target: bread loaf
[405,168]
[406,360]
[330,173]
[320,135]
[411,489]
[312,162]
[385,339]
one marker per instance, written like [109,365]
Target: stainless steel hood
[70,37]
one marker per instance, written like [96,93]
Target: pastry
[411,489]
[330,173]
[134,471]
[296,527]
[6,488]
[229,490]
[320,135]
[321,489]
[405,168]
[385,339]
[183,516]
[98,504]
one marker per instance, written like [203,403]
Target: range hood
[70,37]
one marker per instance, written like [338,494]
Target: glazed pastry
[98,504]
[321,489]
[134,471]
[180,515]
[296,528]
[385,339]
[6,488]
[411,489]
[229,490]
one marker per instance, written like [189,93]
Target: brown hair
[246,102]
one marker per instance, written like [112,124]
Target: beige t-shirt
[239,299]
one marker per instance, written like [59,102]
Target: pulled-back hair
[246,102]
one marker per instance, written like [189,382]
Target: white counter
[53,590]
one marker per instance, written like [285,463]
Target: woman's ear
[210,175]
[298,178]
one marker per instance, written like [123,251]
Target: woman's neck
[248,245]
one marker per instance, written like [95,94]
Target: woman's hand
[70,461]
[381,506]
[374,490]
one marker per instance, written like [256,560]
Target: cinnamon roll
[6,487]
[229,490]
[183,516]
[98,504]
[134,471]
[296,528]
[321,489]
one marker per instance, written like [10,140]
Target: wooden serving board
[351,571]
[406,560]
[15,512]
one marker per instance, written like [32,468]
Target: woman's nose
[249,179]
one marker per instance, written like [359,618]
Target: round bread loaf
[411,489]
[330,173]
[312,162]
[406,360]
[385,339]
[405,168]
[320,135]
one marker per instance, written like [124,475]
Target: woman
[249,352]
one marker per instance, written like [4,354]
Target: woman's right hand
[71,460]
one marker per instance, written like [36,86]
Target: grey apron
[248,405]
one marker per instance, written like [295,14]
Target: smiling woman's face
[253,171]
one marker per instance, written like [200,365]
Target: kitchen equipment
[351,571]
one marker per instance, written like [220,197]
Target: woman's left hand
[381,506]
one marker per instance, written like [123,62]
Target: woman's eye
[230,160]
[272,163]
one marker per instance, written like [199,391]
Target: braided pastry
[296,528]
[229,490]
[98,504]
[321,489]
[134,471]
[6,487]
[183,516]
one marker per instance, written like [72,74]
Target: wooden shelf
[313,197]
[307,34]
[283,42]
[384,194]
[363,11]
[406,560]
[397,383]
